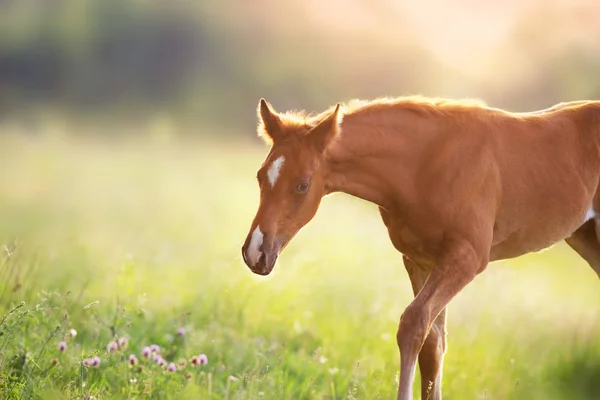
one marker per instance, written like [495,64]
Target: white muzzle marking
[590,214]
[254,247]
[274,170]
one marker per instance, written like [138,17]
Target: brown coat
[458,185]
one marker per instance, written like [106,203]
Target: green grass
[152,230]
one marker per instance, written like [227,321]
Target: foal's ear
[327,130]
[269,123]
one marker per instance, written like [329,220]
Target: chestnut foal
[458,185]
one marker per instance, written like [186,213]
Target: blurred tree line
[209,62]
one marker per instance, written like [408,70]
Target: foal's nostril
[244,257]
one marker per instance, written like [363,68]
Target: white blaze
[254,247]
[274,169]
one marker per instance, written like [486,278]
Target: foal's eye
[302,187]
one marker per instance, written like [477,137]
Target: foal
[458,185]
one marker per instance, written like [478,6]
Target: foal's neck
[370,160]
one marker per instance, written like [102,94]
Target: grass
[149,233]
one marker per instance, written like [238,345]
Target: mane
[300,121]
[415,103]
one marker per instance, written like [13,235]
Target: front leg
[431,356]
[460,262]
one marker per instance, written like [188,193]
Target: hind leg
[586,242]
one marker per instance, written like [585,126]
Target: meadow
[138,239]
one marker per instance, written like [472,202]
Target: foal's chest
[410,242]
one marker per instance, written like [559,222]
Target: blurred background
[206,63]
[128,154]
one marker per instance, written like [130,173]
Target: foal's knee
[412,328]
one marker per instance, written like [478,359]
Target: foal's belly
[538,236]
[512,248]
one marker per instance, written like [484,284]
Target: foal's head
[291,181]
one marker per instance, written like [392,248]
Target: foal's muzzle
[260,259]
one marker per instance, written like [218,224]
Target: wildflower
[187,376]
[195,361]
[73,332]
[155,348]
[146,352]
[122,343]
[133,359]
[62,346]
[171,367]
[159,360]
[181,331]
[54,361]
[92,362]
[95,362]
[182,363]
[112,346]
[133,380]
[203,359]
